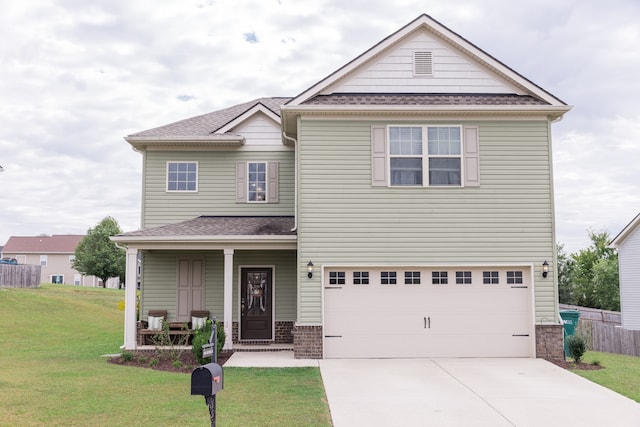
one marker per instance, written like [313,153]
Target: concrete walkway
[469,392]
[267,359]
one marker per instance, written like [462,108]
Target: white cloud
[76,77]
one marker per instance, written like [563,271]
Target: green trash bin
[570,322]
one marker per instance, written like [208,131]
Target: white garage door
[442,312]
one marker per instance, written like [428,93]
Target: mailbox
[207,379]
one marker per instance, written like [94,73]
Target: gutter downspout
[295,178]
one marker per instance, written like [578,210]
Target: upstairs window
[182,176]
[43,260]
[443,159]
[257,181]
[425,156]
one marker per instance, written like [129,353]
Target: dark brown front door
[256,304]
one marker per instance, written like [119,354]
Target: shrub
[201,337]
[167,348]
[126,356]
[577,345]
[176,364]
[153,362]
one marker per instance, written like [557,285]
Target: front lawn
[621,373]
[52,372]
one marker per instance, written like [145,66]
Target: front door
[256,304]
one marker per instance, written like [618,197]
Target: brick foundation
[549,342]
[283,332]
[307,342]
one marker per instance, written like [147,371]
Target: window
[388,278]
[405,150]
[463,277]
[445,155]
[443,160]
[439,278]
[360,277]
[57,278]
[411,277]
[43,260]
[514,277]
[71,259]
[490,277]
[336,278]
[76,280]
[182,176]
[257,181]
[425,156]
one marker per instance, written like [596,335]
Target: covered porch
[243,270]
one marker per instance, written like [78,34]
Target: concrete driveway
[468,392]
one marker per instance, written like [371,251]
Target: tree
[96,255]
[565,265]
[589,278]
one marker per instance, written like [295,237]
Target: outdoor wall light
[310,270]
[545,269]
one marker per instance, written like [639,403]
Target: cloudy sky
[77,76]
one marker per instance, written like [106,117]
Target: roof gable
[63,244]
[458,67]
[626,232]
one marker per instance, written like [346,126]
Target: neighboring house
[55,255]
[628,245]
[400,207]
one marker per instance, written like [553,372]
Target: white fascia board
[550,110]
[622,236]
[200,141]
[207,242]
[247,114]
[446,34]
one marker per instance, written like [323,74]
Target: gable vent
[422,63]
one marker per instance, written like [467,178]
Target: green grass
[621,373]
[51,372]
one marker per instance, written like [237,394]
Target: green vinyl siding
[159,280]
[216,193]
[344,219]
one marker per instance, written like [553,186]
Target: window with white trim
[490,277]
[360,277]
[388,278]
[182,176]
[425,156]
[257,181]
[411,277]
[463,277]
[57,278]
[439,277]
[336,278]
[514,277]
[71,259]
[43,260]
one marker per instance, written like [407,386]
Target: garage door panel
[427,320]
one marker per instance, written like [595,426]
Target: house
[400,207]
[627,242]
[55,255]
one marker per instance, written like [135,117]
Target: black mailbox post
[207,380]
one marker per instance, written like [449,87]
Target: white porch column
[228,298]
[131,283]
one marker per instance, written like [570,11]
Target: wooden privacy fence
[603,332]
[19,276]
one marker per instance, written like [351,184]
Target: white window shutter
[272,189]
[378,156]
[471,157]
[241,182]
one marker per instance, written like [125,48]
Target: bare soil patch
[185,363]
[572,366]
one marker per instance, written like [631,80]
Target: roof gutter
[295,179]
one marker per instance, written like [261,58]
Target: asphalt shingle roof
[222,226]
[423,99]
[58,243]
[208,124]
